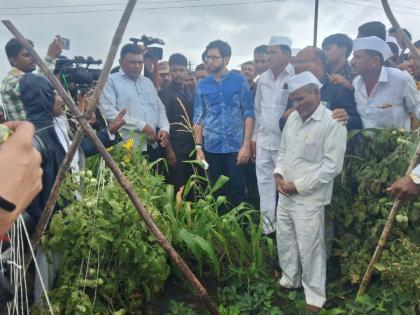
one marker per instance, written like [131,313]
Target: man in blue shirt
[224,117]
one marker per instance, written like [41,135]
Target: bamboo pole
[397,203]
[52,199]
[397,26]
[125,184]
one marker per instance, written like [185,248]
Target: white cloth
[280,40]
[390,102]
[264,166]
[416,170]
[373,43]
[139,97]
[311,155]
[269,106]
[301,247]
[392,39]
[61,129]
[302,79]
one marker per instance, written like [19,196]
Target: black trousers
[226,164]
[179,175]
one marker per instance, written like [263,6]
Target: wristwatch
[7,205]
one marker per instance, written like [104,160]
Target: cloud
[189,30]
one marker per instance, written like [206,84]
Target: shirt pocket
[312,151]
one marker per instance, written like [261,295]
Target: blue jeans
[226,164]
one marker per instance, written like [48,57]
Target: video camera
[154,53]
[75,73]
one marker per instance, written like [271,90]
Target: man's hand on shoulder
[341,116]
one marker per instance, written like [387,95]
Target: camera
[75,73]
[154,53]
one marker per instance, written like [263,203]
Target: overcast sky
[189,29]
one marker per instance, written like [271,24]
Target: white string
[24,276]
[36,265]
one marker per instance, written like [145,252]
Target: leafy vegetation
[111,264]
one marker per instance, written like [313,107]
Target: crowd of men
[277,128]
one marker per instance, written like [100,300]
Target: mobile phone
[65,42]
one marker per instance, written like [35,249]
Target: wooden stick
[125,184]
[385,233]
[52,199]
[397,26]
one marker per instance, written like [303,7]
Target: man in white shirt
[384,96]
[310,156]
[270,104]
[129,89]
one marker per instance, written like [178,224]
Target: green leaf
[221,181]
[380,267]
[195,241]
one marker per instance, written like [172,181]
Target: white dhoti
[265,164]
[301,248]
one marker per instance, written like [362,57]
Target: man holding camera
[128,89]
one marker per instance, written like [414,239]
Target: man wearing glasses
[223,121]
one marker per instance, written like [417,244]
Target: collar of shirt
[211,78]
[383,76]
[16,72]
[122,74]
[287,70]
[359,83]
[317,114]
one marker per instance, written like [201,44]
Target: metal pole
[316,22]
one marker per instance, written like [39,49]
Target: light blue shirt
[139,97]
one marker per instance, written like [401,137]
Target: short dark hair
[200,67]
[262,49]
[394,30]
[374,28]
[13,47]
[130,49]
[250,62]
[341,40]
[394,48]
[178,59]
[417,44]
[223,48]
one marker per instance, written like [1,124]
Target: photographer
[20,173]
[22,62]
[145,112]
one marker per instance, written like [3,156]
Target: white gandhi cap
[373,43]
[301,80]
[280,40]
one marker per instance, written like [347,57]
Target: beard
[216,69]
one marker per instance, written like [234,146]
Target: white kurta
[270,104]
[390,102]
[311,155]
